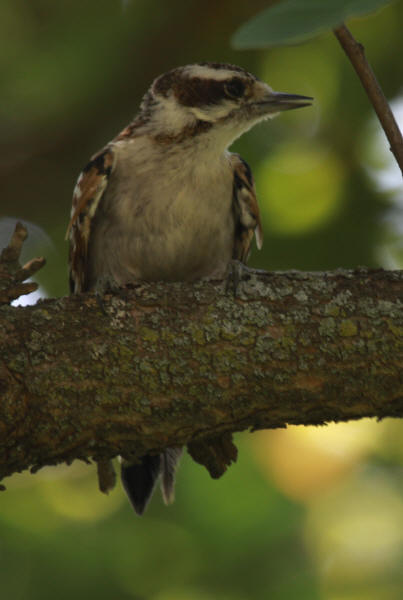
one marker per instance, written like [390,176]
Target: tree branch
[12,274]
[166,364]
[356,54]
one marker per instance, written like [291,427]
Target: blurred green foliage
[73,74]
[293,21]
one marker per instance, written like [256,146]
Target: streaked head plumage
[201,96]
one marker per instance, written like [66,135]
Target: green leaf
[295,21]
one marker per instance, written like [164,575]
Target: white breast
[166,215]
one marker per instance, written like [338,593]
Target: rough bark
[167,364]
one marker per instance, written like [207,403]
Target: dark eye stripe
[199,92]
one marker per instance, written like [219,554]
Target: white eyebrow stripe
[210,73]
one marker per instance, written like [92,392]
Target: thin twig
[356,54]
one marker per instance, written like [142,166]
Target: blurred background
[306,513]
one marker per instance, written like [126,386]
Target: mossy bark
[168,364]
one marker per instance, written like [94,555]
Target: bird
[166,200]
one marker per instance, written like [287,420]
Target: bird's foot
[234,276]
[104,285]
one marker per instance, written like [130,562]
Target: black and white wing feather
[246,210]
[90,188]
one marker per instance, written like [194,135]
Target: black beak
[280,101]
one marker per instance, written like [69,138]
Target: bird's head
[221,99]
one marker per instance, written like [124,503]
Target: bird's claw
[234,276]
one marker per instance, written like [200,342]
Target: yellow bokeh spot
[300,188]
[307,461]
[355,532]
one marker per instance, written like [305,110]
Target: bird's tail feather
[169,462]
[139,479]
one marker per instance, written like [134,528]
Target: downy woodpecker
[166,201]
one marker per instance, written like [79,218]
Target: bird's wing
[87,194]
[246,210]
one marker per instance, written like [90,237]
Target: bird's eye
[234,88]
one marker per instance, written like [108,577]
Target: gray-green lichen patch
[149,335]
[396,330]
[332,310]
[327,327]
[347,328]
[343,299]
[301,296]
